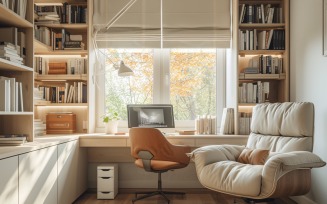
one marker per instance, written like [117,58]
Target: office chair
[154,153]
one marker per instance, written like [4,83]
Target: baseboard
[302,200]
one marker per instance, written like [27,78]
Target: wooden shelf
[10,18]
[41,102]
[64,77]
[12,66]
[43,49]
[48,103]
[73,26]
[243,76]
[16,113]
[261,25]
[261,52]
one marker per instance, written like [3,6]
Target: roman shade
[163,24]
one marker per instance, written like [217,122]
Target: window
[190,79]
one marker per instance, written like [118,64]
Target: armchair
[286,130]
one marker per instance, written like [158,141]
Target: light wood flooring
[191,197]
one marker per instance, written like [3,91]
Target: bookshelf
[262,55]
[51,51]
[19,121]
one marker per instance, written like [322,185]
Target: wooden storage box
[61,123]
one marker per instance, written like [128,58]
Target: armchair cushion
[253,156]
[232,177]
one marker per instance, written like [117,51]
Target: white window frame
[161,94]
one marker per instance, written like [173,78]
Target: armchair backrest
[282,127]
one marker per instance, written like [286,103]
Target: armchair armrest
[285,162]
[214,153]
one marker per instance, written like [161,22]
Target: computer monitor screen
[151,116]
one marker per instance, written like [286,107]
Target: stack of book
[74,43]
[46,15]
[12,140]
[256,92]
[8,51]
[57,68]
[39,127]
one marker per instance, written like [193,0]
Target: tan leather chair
[153,152]
[286,130]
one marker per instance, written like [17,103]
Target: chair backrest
[154,141]
[282,127]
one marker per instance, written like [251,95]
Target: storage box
[61,123]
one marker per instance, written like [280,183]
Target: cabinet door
[38,176]
[72,171]
[9,180]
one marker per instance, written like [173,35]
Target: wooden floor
[191,197]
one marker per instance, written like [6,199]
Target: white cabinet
[9,180]
[38,176]
[72,171]
[107,182]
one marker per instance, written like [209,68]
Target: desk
[103,140]
[119,150]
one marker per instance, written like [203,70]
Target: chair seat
[161,165]
[232,177]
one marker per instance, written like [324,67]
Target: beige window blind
[164,23]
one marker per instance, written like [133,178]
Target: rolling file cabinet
[107,182]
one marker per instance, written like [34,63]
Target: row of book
[245,123]
[264,64]
[11,95]
[255,92]
[206,125]
[12,139]
[17,6]
[260,13]
[227,121]
[12,44]
[70,93]
[64,13]
[72,66]
[62,40]
[262,39]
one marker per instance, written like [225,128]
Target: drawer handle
[105,192]
[105,169]
[105,177]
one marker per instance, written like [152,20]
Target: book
[4,95]
[12,92]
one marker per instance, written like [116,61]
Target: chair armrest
[214,153]
[285,162]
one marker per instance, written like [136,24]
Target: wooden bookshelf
[278,83]
[63,55]
[21,73]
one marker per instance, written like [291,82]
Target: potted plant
[111,122]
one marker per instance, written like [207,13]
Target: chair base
[153,193]
[253,201]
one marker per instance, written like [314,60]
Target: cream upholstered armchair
[286,130]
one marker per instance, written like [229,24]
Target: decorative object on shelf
[111,121]
[60,123]
[206,125]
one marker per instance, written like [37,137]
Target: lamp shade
[124,70]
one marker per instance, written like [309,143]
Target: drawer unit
[107,181]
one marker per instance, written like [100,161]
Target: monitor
[150,115]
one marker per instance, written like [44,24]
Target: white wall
[309,79]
